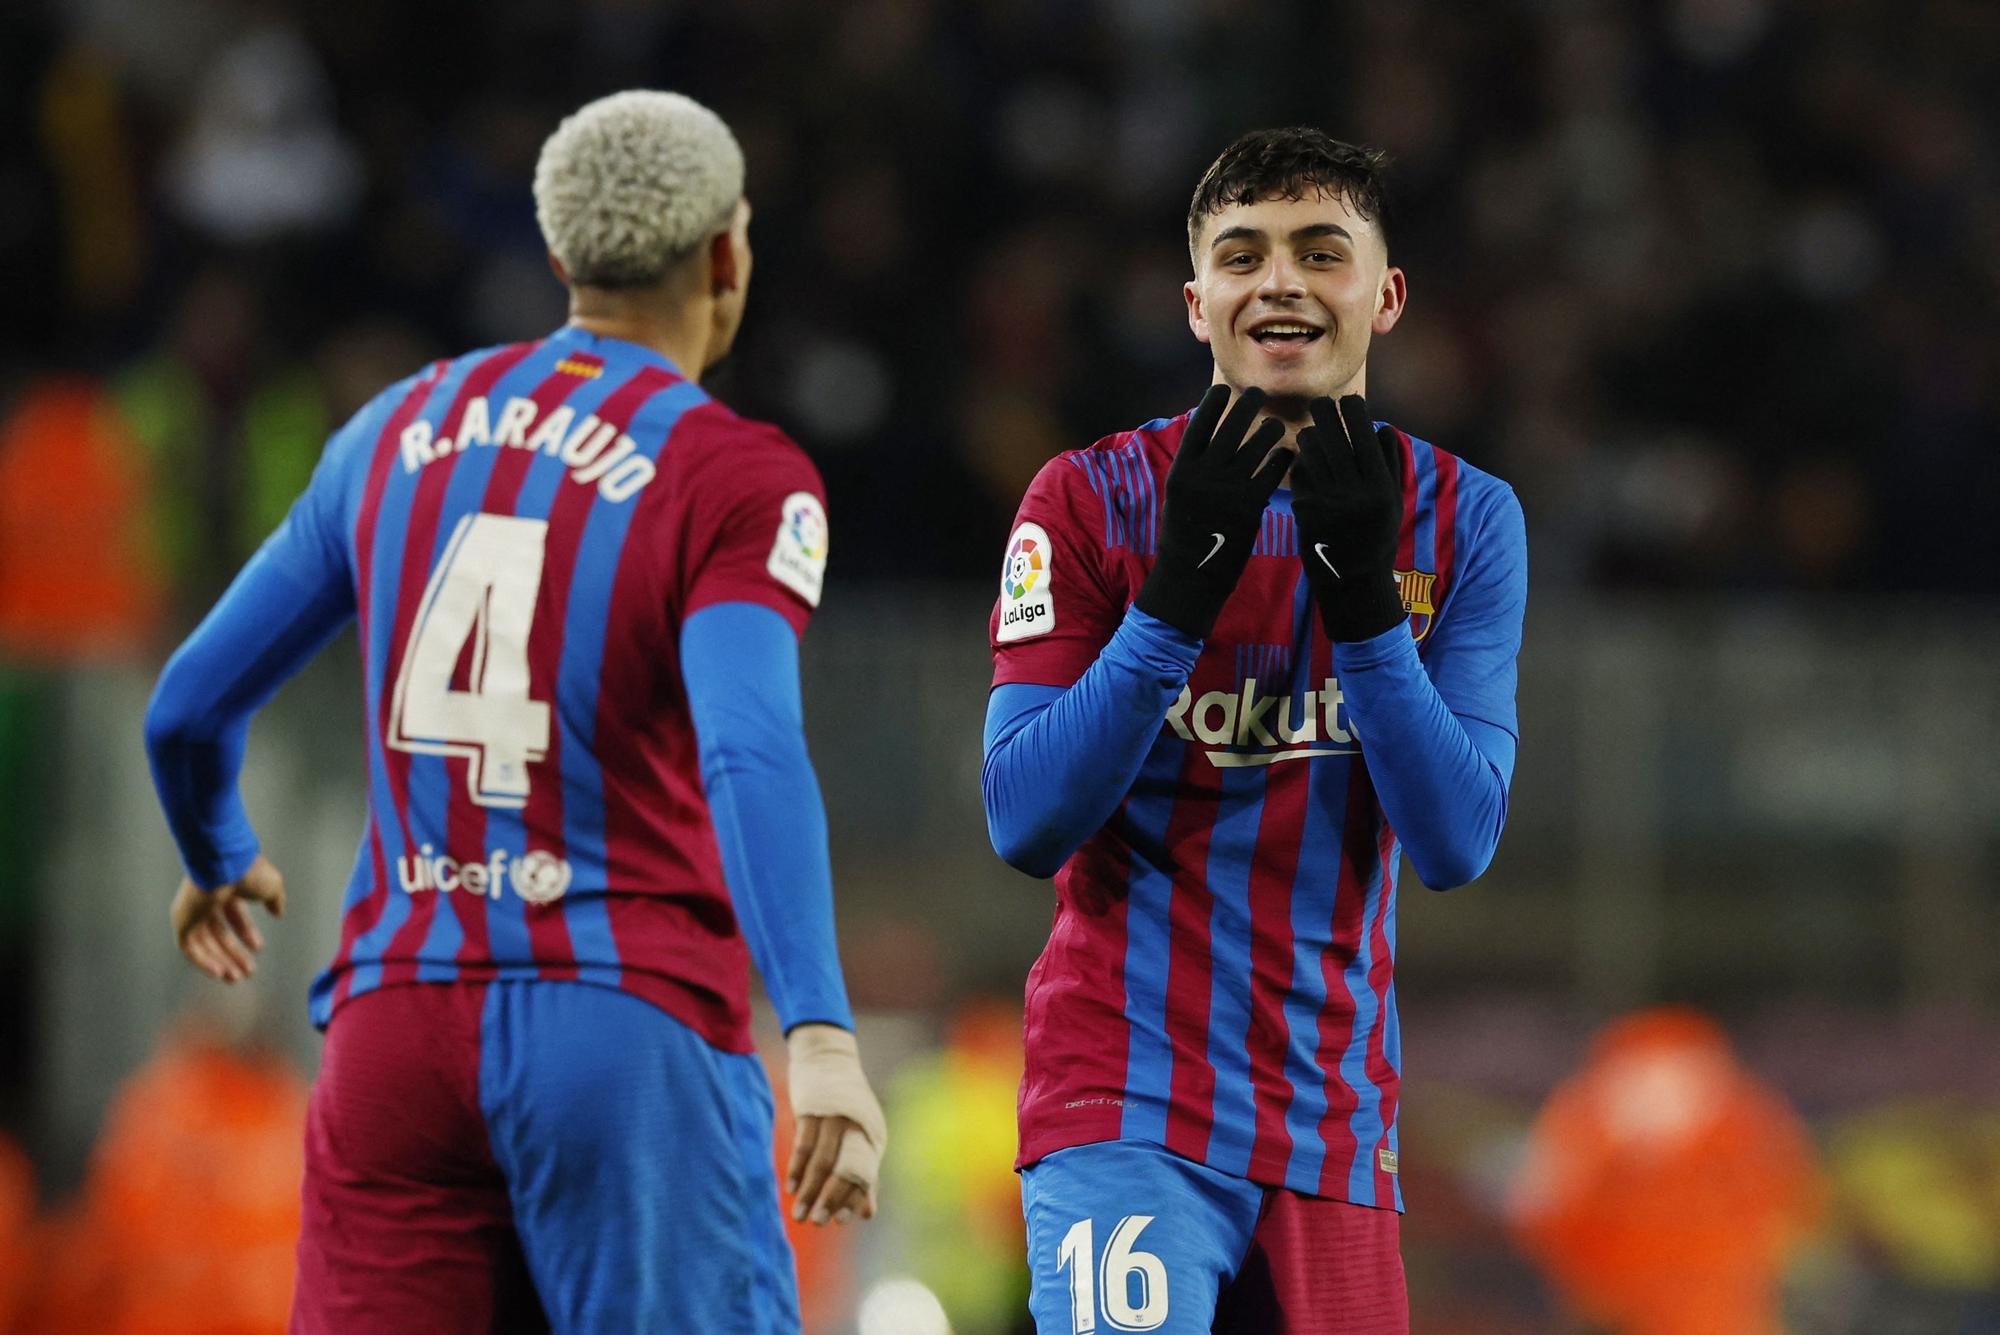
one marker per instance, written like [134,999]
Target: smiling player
[1222,708]
[580,584]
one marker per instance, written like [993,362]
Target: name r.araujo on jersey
[1287,726]
[594,451]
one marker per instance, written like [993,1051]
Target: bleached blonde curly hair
[630,184]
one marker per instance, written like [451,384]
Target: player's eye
[1322,257]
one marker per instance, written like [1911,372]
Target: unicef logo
[1024,568]
[541,877]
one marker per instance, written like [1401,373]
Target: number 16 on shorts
[1124,1286]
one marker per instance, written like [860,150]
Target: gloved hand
[1347,496]
[837,1150]
[1215,497]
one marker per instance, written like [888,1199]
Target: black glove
[1216,493]
[1347,495]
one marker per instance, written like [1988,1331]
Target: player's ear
[1197,321]
[1389,301]
[729,253]
[556,267]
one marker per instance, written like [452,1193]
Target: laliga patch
[798,557]
[1027,601]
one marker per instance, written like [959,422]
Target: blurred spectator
[1714,282]
[1665,1188]
[78,576]
[21,1235]
[190,1215]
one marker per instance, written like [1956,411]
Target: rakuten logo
[538,877]
[1246,718]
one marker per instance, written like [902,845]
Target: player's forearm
[262,631]
[771,826]
[740,663]
[1442,780]
[1058,762]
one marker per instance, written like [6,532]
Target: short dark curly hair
[1290,163]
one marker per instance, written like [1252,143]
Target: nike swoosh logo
[1211,552]
[1319,550]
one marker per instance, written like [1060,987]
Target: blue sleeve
[741,665]
[1059,760]
[1441,736]
[282,608]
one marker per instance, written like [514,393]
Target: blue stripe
[430,775]
[1366,1120]
[1315,884]
[1149,1062]
[1231,849]
[507,916]
[585,630]
[392,530]
[1149,504]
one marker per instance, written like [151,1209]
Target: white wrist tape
[826,1081]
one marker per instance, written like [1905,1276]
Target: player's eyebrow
[1313,231]
[1310,232]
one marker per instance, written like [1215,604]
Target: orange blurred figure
[76,565]
[1665,1187]
[190,1216]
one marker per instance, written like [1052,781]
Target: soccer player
[1222,707]
[580,583]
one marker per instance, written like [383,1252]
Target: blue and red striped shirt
[1219,976]
[521,533]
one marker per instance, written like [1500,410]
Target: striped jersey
[1219,975]
[525,530]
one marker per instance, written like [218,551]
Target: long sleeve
[1439,731]
[741,665]
[282,608]
[1442,780]
[1060,759]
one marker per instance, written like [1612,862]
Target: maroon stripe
[1446,521]
[367,911]
[1336,1018]
[548,929]
[399,957]
[466,820]
[1191,958]
[1381,969]
[1280,833]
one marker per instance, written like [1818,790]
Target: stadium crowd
[1713,282]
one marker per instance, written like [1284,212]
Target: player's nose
[1282,280]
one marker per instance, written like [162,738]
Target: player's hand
[837,1152]
[1215,498]
[1347,496]
[214,928]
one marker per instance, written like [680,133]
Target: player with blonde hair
[579,583]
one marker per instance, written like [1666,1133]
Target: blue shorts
[1128,1236]
[528,1156]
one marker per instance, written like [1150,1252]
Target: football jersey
[1218,977]
[526,529]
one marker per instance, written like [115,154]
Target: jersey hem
[725,1034]
[1042,1144]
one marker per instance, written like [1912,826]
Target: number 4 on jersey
[483,592]
[1123,1269]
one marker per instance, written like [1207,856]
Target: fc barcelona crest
[1416,586]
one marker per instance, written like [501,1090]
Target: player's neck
[680,333]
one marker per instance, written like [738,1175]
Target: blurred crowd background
[1714,283]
